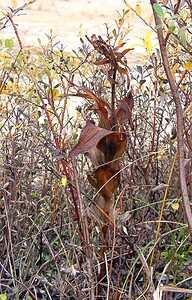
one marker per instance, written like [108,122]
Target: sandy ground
[65,17]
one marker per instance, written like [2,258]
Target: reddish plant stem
[16,31]
[182,77]
[113,92]
[63,162]
[190,166]
[177,5]
[57,143]
[180,119]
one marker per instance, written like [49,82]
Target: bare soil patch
[64,18]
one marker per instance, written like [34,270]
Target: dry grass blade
[158,293]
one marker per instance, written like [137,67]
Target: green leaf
[33,194]
[159,11]
[29,96]
[47,72]
[75,136]
[158,27]
[9,43]
[39,41]
[182,35]
[174,17]
[38,100]
[171,29]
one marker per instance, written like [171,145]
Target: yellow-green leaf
[64,181]
[9,43]
[127,4]
[14,3]
[188,66]
[175,206]
[138,9]
[47,72]
[3,297]
[147,43]
[4,56]
[81,31]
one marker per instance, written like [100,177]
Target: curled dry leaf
[89,138]
[123,113]
[111,144]
[105,180]
[100,106]
[96,156]
[112,56]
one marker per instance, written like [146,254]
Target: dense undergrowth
[58,236]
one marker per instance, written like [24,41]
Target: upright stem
[180,119]
[114,123]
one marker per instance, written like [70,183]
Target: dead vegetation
[92,203]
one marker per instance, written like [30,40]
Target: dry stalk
[180,118]
[85,235]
